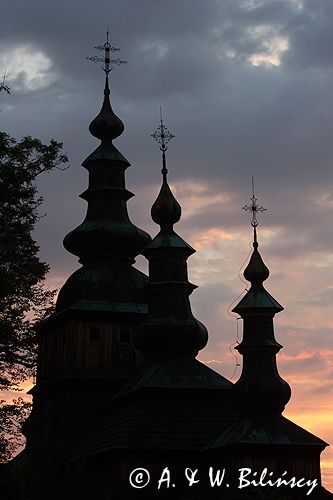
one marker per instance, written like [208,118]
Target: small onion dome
[256,272]
[166,210]
[257,297]
[106,125]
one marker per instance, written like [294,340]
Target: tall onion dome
[106,242]
[260,387]
[170,327]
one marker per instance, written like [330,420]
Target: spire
[256,272]
[106,242]
[255,209]
[163,137]
[170,328]
[166,210]
[107,126]
[260,387]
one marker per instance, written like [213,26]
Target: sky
[246,88]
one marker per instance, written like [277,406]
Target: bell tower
[86,350]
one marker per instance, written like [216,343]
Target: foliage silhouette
[24,299]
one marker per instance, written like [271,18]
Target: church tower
[174,405]
[118,385]
[262,439]
[86,349]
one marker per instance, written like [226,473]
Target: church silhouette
[122,409]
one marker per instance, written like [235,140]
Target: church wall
[80,366]
[88,346]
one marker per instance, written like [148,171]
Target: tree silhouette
[24,299]
[3,86]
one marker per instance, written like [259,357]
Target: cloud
[28,68]
[245,87]
[304,363]
[323,297]
[311,36]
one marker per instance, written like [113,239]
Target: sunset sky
[246,88]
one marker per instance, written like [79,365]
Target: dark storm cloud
[231,119]
[228,114]
[311,36]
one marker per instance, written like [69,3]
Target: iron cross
[108,62]
[254,208]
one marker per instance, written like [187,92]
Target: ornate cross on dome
[254,208]
[163,136]
[106,59]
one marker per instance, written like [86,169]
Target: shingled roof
[176,404]
[266,430]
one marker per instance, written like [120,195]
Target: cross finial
[108,63]
[163,137]
[255,209]
[162,134]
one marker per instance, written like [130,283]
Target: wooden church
[122,409]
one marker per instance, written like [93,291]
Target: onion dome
[166,210]
[170,328]
[106,242]
[106,126]
[256,273]
[260,387]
